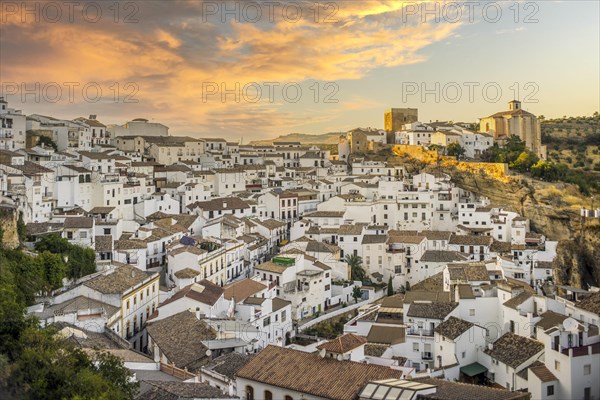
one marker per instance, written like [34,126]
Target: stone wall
[9,216]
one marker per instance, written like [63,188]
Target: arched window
[288,398]
[268,395]
[487,127]
[249,393]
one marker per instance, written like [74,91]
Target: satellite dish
[322,353]
[340,357]
[570,325]
[208,352]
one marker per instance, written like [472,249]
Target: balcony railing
[426,355]
[419,332]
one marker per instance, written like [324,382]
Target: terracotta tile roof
[517,300]
[550,319]
[39,228]
[375,350]
[271,223]
[180,337]
[187,273]
[422,295]
[321,247]
[449,390]
[118,281]
[204,292]
[374,239]
[513,350]
[471,240]
[270,266]
[468,272]
[225,203]
[436,235]
[176,390]
[343,344]
[187,249]
[434,283]
[79,223]
[324,214]
[278,303]
[355,229]
[500,247]
[410,239]
[228,364]
[395,301]
[104,243]
[590,303]
[322,377]
[390,335]
[523,373]
[543,373]
[243,289]
[442,256]
[101,210]
[434,310]
[465,291]
[453,327]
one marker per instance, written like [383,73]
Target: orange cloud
[170,58]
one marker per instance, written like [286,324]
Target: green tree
[37,363]
[54,270]
[524,162]
[514,144]
[46,141]
[455,150]
[356,294]
[81,262]
[21,228]
[357,272]
[390,287]
[54,244]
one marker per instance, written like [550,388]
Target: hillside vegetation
[330,138]
[574,142]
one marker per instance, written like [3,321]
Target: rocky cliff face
[9,216]
[553,209]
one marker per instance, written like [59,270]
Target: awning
[473,369]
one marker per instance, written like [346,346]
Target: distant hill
[325,138]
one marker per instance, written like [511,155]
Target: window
[587,369]
[557,365]
[471,311]
[464,354]
[249,393]
[415,346]
[288,398]
[267,321]
[268,395]
[550,390]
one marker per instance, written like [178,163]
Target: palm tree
[356,293]
[357,272]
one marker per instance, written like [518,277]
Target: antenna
[570,325]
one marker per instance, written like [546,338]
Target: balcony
[419,332]
[426,355]
[6,135]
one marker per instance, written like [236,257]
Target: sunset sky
[366,56]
